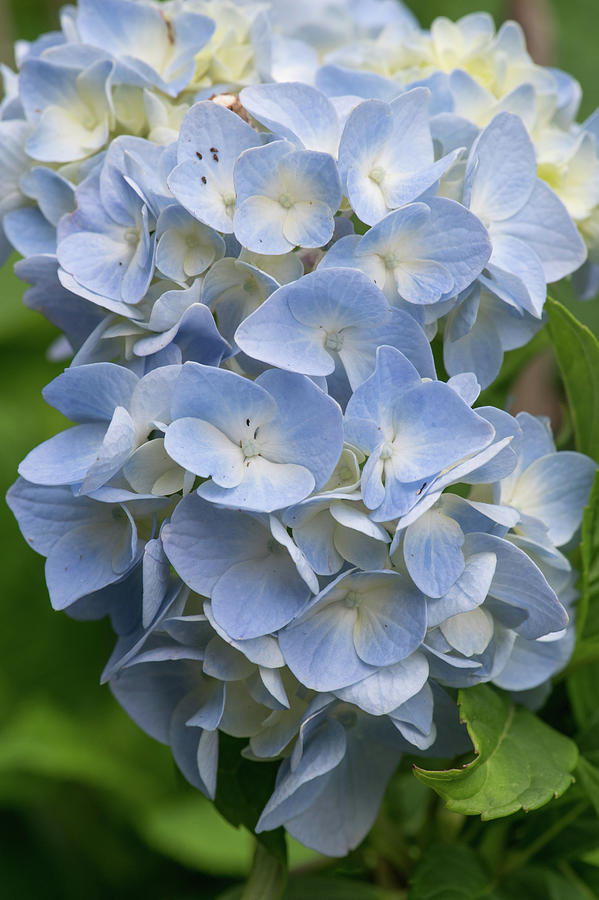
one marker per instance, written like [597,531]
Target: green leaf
[449,872]
[243,788]
[577,352]
[520,762]
[588,776]
[583,669]
[540,883]
[319,888]
[587,611]
[582,682]
[323,888]
[559,888]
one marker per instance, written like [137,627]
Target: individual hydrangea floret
[386,155]
[410,430]
[264,444]
[330,323]
[285,198]
[210,142]
[416,253]
[534,240]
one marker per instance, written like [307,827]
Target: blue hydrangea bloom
[249,223]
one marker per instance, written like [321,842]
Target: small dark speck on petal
[203,179]
[199,155]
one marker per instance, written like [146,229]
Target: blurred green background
[89,806]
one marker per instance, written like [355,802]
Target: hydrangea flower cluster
[249,223]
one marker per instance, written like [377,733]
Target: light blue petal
[320,649]
[388,688]
[555,489]
[208,125]
[118,444]
[468,592]
[195,751]
[344,811]
[45,514]
[307,429]
[185,247]
[29,232]
[533,662]
[386,154]
[513,259]
[361,550]
[372,399]
[290,330]
[433,552]
[204,450]
[520,584]
[208,131]
[545,226]
[149,693]
[400,331]
[309,223]
[88,558]
[310,175]
[479,350]
[259,596]
[144,39]
[91,393]
[256,172]
[273,335]
[64,458]
[423,245]
[231,403]
[501,169]
[223,662]
[435,429]
[336,81]
[258,225]
[322,752]
[313,534]
[391,620]
[266,486]
[203,542]
[295,111]
[156,577]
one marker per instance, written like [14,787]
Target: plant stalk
[267,878]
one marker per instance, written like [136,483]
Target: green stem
[571,875]
[520,859]
[267,878]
